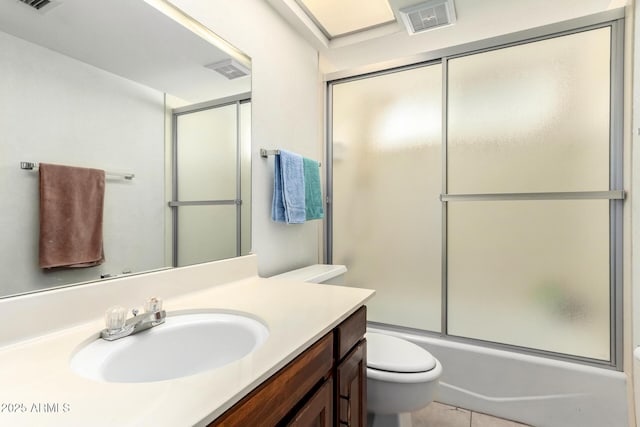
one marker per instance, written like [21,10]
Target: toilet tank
[317,273]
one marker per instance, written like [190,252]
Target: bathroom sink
[185,344]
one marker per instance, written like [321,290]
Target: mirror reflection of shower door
[210,165]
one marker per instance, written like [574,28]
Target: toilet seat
[396,360]
[392,354]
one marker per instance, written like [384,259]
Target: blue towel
[277,206]
[288,189]
[312,190]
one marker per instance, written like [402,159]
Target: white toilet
[402,377]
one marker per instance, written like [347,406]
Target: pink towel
[71,209]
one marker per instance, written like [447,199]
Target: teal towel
[312,189]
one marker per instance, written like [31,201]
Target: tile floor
[440,415]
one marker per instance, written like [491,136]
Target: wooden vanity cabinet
[324,386]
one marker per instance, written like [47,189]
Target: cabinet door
[318,411]
[351,387]
[269,404]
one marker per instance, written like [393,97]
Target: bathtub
[533,390]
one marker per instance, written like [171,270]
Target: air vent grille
[36,4]
[428,15]
[229,68]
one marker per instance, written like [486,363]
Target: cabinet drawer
[271,401]
[349,332]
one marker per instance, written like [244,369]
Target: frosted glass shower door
[212,172]
[531,271]
[387,178]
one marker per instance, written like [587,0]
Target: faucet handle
[115,318]
[153,305]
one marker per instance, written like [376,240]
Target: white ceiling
[129,38]
[476,20]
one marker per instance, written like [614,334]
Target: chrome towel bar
[34,165]
[266,153]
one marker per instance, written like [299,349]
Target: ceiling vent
[40,6]
[428,15]
[230,68]
[36,4]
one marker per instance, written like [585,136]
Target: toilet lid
[387,353]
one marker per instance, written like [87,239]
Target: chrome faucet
[118,326]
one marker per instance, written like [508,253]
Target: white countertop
[37,386]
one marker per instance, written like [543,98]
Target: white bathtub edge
[531,389]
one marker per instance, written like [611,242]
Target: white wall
[55,109]
[285,113]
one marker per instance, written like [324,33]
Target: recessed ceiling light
[339,17]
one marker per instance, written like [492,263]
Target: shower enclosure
[480,194]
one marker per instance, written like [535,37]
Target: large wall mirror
[130,87]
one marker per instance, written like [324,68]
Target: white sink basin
[185,344]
